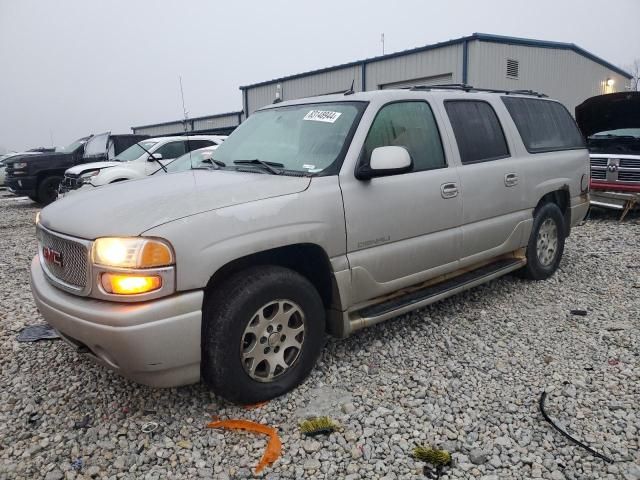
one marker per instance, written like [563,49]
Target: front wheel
[262,333]
[546,243]
[48,190]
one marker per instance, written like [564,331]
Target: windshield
[72,146]
[307,138]
[135,151]
[621,132]
[196,159]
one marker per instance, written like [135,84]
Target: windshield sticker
[322,116]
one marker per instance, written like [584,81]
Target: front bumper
[155,343]
[22,185]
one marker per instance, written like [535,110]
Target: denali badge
[51,256]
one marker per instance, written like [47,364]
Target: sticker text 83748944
[322,116]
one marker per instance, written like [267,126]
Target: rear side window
[196,144]
[544,125]
[478,131]
[410,125]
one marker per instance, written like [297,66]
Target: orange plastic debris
[274,447]
[255,405]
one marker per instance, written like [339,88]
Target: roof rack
[469,88]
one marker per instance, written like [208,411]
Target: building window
[513,68]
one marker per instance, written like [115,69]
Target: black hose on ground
[577,442]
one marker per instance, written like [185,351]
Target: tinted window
[196,144]
[477,129]
[171,150]
[543,125]
[410,125]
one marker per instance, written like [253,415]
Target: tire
[544,261]
[48,190]
[33,197]
[235,338]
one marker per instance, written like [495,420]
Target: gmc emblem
[51,256]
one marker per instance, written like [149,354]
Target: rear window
[545,126]
[478,131]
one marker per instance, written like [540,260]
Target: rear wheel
[48,190]
[262,333]
[546,243]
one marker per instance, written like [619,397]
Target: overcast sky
[73,67]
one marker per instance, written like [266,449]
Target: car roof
[419,92]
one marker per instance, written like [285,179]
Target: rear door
[402,229]
[491,179]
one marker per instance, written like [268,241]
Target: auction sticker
[322,116]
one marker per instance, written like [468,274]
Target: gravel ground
[465,375]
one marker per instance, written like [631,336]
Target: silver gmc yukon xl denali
[321,215]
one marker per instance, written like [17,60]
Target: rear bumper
[155,343]
[579,209]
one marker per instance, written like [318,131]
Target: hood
[32,157]
[609,112]
[85,167]
[131,208]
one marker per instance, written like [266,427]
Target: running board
[379,312]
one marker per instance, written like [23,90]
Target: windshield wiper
[609,135]
[266,165]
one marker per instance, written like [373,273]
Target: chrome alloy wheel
[272,340]
[547,242]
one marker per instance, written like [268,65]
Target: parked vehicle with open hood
[611,125]
[138,161]
[38,174]
[325,214]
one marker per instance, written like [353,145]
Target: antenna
[184,109]
[51,136]
[351,91]
[382,40]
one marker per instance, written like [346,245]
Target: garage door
[433,80]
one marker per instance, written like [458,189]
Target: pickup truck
[38,175]
[320,215]
[611,124]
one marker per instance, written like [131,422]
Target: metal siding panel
[440,61]
[309,86]
[216,122]
[562,74]
[175,127]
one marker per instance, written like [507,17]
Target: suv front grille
[64,260]
[69,183]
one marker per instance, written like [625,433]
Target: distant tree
[634,70]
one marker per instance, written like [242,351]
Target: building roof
[483,37]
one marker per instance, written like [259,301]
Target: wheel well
[561,198]
[49,173]
[307,259]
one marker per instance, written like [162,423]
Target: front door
[402,229]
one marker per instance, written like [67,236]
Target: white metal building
[218,124]
[563,71]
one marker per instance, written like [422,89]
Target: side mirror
[154,156]
[385,161]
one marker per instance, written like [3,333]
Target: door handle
[449,190]
[510,179]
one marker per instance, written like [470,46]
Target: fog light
[122,284]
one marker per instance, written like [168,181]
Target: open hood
[609,112]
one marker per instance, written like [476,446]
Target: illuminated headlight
[132,252]
[19,165]
[86,177]
[129,284]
